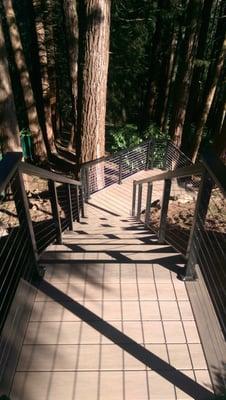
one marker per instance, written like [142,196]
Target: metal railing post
[148,155]
[70,213]
[134,198]
[148,203]
[139,201]
[82,202]
[165,204]
[201,209]
[120,170]
[55,210]
[151,155]
[86,183]
[22,207]
[78,204]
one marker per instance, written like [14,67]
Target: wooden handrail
[43,173]
[178,173]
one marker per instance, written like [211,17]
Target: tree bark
[216,71]
[9,130]
[196,88]
[93,67]
[51,61]
[41,39]
[39,145]
[185,70]
[220,142]
[166,80]
[155,65]
[71,23]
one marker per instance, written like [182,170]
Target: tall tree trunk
[9,130]
[166,80]
[199,68]
[216,113]
[51,60]
[41,39]
[216,71]
[152,86]
[93,79]
[39,145]
[220,142]
[71,23]
[185,70]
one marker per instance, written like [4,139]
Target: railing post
[55,210]
[139,201]
[22,207]
[147,156]
[82,201]
[85,180]
[201,209]
[120,170]
[151,155]
[78,203]
[165,204]
[134,198]
[70,214]
[148,203]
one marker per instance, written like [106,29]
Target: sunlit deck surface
[111,320]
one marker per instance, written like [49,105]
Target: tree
[71,23]
[220,141]
[93,69]
[9,130]
[41,39]
[185,70]
[208,99]
[39,145]
[155,65]
[49,21]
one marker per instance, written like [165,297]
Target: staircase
[110,319]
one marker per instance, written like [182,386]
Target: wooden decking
[111,320]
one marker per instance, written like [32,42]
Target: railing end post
[189,272]
[164,211]
[139,201]
[148,204]
[134,198]
[120,170]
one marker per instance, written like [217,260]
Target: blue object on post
[27,144]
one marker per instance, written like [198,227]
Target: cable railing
[153,153]
[191,216]
[36,206]
[103,172]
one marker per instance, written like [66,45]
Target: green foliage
[158,155]
[120,138]
[132,26]
[25,132]
[153,132]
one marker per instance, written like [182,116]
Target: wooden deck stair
[111,320]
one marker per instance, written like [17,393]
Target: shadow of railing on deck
[172,263]
[149,359]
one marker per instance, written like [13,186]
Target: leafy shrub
[123,137]
[158,155]
[154,132]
